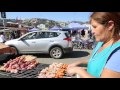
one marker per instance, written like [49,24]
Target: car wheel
[56,52]
[16,51]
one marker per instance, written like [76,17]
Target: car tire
[15,50]
[56,53]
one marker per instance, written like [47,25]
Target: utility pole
[4,23]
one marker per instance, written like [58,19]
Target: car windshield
[30,36]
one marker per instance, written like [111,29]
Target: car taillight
[68,39]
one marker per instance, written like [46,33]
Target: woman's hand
[72,70]
[72,65]
[76,70]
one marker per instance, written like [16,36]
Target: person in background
[83,33]
[12,35]
[2,37]
[104,61]
[90,34]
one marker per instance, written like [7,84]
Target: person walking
[2,37]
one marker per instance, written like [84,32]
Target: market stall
[27,66]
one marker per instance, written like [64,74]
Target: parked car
[55,43]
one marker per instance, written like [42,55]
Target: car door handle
[33,42]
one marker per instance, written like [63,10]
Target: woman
[105,59]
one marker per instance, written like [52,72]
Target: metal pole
[3,23]
[4,28]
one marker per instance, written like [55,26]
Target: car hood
[10,41]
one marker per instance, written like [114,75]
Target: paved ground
[76,55]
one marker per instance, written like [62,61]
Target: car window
[42,35]
[37,35]
[56,34]
[46,34]
[67,35]
[53,34]
[30,36]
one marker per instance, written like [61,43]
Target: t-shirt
[114,62]
[2,38]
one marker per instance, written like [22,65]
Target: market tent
[34,29]
[84,27]
[55,28]
[76,26]
[66,28]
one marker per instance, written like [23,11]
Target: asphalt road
[76,55]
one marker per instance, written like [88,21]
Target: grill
[33,73]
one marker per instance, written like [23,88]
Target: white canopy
[55,28]
[74,26]
[33,29]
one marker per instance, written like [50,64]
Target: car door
[42,42]
[27,43]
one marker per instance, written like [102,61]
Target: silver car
[55,43]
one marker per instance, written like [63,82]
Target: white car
[55,43]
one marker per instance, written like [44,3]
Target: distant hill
[37,21]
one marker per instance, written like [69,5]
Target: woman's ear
[110,25]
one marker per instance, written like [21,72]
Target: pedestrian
[83,33]
[104,62]
[2,37]
[12,35]
[90,34]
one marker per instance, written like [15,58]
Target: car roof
[49,31]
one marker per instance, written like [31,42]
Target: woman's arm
[74,68]
[107,73]
[112,67]
[80,71]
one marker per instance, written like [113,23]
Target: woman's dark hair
[104,17]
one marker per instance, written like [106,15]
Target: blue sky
[57,16]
